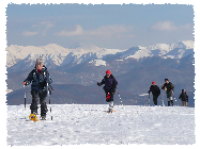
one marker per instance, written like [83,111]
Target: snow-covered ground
[90,124]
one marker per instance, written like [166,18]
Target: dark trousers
[155,97]
[42,96]
[170,99]
[111,91]
[172,103]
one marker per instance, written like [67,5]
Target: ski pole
[120,99]
[24,99]
[175,101]
[49,101]
[163,98]
[149,99]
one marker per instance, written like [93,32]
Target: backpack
[172,86]
[157,90]
[50,88]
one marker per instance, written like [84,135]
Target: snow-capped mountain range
[76,70]
[58,56]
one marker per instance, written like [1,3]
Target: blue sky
[108,26]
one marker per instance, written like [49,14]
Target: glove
[25,83]
[98,83]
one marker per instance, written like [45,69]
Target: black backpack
[157,90]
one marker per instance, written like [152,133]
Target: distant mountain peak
[57,55]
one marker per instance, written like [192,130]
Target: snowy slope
[90,124]
[98,62]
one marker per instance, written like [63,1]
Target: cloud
[27,33]
[104,31]
[43,26]
[78,31]
[108,30]
[169,26]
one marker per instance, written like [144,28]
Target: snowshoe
[33,117]
[111,111]
[43,117]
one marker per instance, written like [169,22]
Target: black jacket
[169,87]
[183,97]
[155,90]
[110,83]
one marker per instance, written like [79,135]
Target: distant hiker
[169,91]
[184,97]
[39,77]
[109,88]
[155,92]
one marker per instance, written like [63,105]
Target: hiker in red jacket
[109,88]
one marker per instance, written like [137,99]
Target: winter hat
[153,82]
[108,72]
[38,61]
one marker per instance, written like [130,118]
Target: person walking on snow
[109,88]
[39,77]
[184,97]
[155,92]
[169,91]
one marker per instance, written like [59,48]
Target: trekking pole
[163,99]
[149,99]
[49,101]
[175,101]
[24,99]
[120,98]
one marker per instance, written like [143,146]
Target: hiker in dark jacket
[155,92]
[39,77]
[184,97]
[109,88]
[169,91]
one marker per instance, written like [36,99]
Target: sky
[105,26]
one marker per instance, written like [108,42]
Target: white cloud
[104,31]
[27,33]
[108,30]
[43,26]
[169,26]
[77,31]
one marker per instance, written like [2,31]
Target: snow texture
[91,124]
[98,62]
